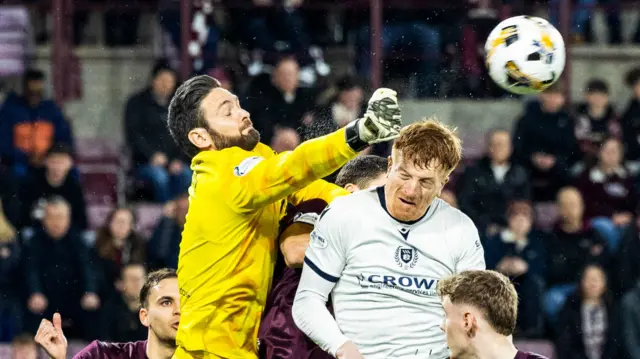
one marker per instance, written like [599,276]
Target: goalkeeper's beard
[247,142]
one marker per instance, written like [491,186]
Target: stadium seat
[97,214]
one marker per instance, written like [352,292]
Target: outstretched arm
[260,180]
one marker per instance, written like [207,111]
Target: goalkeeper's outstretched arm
[260,180]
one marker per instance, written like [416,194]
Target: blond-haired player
[481,308]
[381,252]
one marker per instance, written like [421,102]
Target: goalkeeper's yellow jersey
[229,242]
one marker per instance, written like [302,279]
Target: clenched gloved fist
[381,122]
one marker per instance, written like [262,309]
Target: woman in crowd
[588,323]
[118,244]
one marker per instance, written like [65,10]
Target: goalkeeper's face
[411,188]
[229,125]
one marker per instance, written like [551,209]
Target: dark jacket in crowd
[36,190]
[570,341]
[568,253]
[630,306]
[146,130]
[120,323]
[627,265]
[164,246]
[27,131]
[59,269]
[548,133]
[631,130]
[591,132]
[484,200]
[278,112]
[605,195]
[534,253]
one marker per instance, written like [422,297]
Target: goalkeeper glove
[381,122]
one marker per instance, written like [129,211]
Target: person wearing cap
[596,119]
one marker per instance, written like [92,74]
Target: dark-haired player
[159,311]
[279,336]
[239,192]
[481,308]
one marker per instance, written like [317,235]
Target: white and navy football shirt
[382,274]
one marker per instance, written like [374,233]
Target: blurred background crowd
[93,190]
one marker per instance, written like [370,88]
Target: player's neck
[158,349]
[495,347]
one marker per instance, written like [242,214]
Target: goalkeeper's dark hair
[361,171]
[185,112]
[152,280]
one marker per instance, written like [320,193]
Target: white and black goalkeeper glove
[381,122]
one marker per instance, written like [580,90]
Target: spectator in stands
[285,139]
[156,158]
[121,318]
[581,28]
[59,274]
[345,104]
[273,26]
[630,329]
[24,347]
[10,309]
[588,325]
[117,244]
[571,247]
[596,120]
[203,43]
[544,142]
[631,118]
[54,179]
[30,125]
[288,103]
[408,32]
[164,245]
[487,188]
[609,192]
[9,201]
[519,253]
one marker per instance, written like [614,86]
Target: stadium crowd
[578,275]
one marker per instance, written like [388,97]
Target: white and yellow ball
[525,54]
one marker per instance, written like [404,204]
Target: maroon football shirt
[102,350]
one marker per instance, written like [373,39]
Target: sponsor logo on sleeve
[317,241]
[246,165]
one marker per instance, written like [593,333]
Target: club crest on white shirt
[406,257]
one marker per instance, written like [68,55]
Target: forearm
[311,315]
[273,179]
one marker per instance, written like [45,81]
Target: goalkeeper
[239,193]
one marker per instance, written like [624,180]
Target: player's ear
[351,187]
[389,165]
[201,138]
[143,314]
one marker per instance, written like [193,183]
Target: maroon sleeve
[91,351]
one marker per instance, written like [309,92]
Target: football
[525,54]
